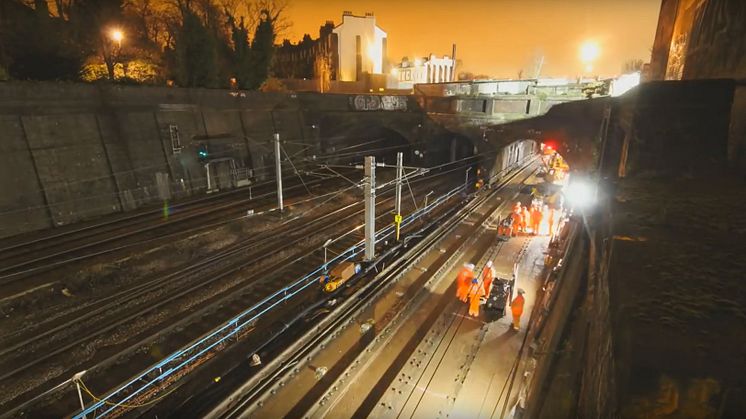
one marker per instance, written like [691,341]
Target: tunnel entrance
[460,148]
[381,142]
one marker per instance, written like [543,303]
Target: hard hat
[474,281]
[489,263]
[521,291]
[469,266]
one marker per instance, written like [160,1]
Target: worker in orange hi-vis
[526,220]
[516,306]
[488,274]
[517,207]
[476,292]
[551,222]
[544,225]
[517,221]
[535,219]
[463,282]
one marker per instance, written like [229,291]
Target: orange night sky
[499,37]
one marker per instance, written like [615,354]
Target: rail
[185,357]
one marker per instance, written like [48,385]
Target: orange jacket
[517,305]
[476,291]
[464,278]
[536,216]
[487,278]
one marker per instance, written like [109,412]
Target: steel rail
[251,392]
[168,366]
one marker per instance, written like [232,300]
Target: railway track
[24,259]
[249,398]
[59,339]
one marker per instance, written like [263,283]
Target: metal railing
[185,357]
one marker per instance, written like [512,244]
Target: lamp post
[589,52]
[116,36]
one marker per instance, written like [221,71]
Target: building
[430,69]
[349,57]
[311,64]
[361,47]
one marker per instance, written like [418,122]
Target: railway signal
[202,153]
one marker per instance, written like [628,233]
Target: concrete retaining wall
[71,152]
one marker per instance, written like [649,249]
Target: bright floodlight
[117,35]
[580,193]
[589,51]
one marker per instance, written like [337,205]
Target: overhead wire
[295,170]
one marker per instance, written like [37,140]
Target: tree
[632,65]
[195,53]
[94,22]
[241,57]
[262,50]
[465,76]
[36,45]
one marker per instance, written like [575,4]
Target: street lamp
[589,52]
[117,36]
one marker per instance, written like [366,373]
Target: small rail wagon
[339,275]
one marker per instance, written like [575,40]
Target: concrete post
[370,207]
[76,379]
[80,398]
[399,173]
[207,172]
[278,172]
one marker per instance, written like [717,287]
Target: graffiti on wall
[717,41]
[378,103]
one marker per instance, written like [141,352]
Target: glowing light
[394,71]
[116,35]
[580,193]
[624,83]
[589,51]
[372,53]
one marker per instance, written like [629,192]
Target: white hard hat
[489,263]
[469,266]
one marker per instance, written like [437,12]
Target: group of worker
[470,289]
[537,220]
